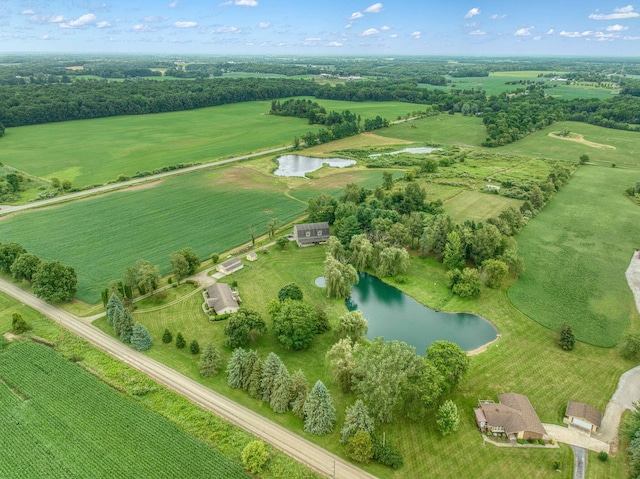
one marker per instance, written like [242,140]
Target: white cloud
[573,34]
[477,32]
[185,24]
[619,14]
[472,13]
[416,35]
[103,24]
[56,19]
[28,12]
[369,32]
[334,44]
[348,25]
[523,32]
[630,38]
[45,37]
[141,27]
[313,39]
[537,38]
[41,19]
[385,28]
[551,31]
[227,30]
[82,21]
[375,8]
[264,25]
[616,28]
[495,16]
[153,19]
[174,4]
[356,15]
[246,3]
[393,35]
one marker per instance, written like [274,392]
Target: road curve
[286,441]
[6,209]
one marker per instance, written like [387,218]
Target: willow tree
[339,277]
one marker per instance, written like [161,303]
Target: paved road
[579,462]
[291,444]
[5,209]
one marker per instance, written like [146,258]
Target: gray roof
[300,232]
[232,263]
[220,297]
[584,411]
[514,412]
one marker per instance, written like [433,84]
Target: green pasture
[441,129]
[476,206]
[59,421]
[626,143]
[576,252]
[98,150]
[526,360]
[570,92]
[209,211]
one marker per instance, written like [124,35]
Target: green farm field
[476,206]
[626,153]
[576,252]
[100,236]
[539,371]
[59,421]
[441,129]
[97,151]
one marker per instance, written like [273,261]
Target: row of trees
[120,317]
[631,429]
[50,280]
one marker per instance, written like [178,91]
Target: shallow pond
[395,315]
[297,165]
[415,151]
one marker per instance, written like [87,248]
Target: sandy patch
[141,186]
[633,277]
[10,336]
[578,138]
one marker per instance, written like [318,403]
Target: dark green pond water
[394,315]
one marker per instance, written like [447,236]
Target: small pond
[394,315]
[415,151]
[297,165]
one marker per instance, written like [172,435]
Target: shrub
[556,465]
[167,337]
[18,324]
[194,347]
[360,447]
[254,456]
[567,339]
[603,456]
[215,257]
[386,454]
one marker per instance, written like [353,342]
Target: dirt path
[633,277]
[300,449]
[578,138]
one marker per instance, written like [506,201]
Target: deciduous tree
[243,326]
[360,447]
[339,277]
[295,324]
[55,282]
[9,252]
[494,273]
[290,291]
[25,267]
[453,257]
[254,457]
[352,325]
[447,418]
[18,324]
[342,362]
[450,360]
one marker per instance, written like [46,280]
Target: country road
[6,209]
[286,441]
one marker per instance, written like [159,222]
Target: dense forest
[33,91]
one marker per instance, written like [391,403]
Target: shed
[230,266]
[222,299]
[583,416]
[309,234]
[253,256]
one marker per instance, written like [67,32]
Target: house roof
[514,412]
[232,263]
[584,411]
[308,232]
[220,297]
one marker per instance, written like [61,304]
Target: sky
[322,27]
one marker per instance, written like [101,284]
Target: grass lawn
[576,252]
[98,150]
[540,370]
[476,206]
[626,153]
[443,129]
[160,424]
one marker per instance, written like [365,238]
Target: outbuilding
[309,234]
[583,416]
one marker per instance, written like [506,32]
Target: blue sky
[322,27]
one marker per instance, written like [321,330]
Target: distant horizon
[593,28]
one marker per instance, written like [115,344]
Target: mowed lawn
[59,421]
[98,150]
[209,211]
[576,252]
[625,154]
[476,206]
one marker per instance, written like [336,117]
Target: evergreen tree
[269,371]
[254,388]
[567,338]
[299,391]
[210,361]
[247,369]
[167,337]
[281,391]
[180,341]
[113,304]
[235,367]
[194,347]
[356,419]
[447,418]
[140,338]
[319,411]
[123,324]
[453,257]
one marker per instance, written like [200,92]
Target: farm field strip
[70,424]
[98,150]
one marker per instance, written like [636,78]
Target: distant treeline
[508,116]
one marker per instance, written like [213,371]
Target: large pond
[394,315]
[297,165]
[415,151]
